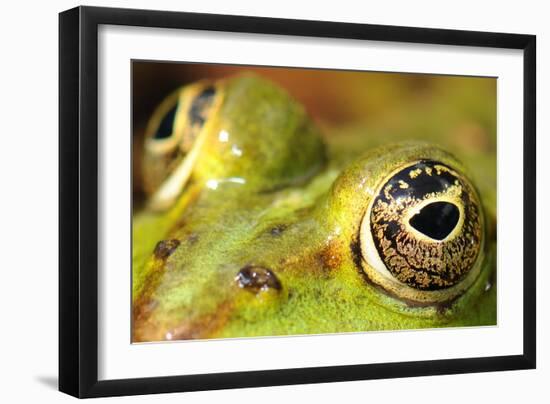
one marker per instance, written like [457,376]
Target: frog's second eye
[200,106]
[197,114]
[172,135]
[166,126]
[422,235]
[179,119]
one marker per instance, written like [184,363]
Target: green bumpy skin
[296,215]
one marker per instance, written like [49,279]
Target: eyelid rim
[375,269]
[168,191]
[183,96]
[162,146]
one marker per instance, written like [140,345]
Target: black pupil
[200,105]
[436,220]
[166,126]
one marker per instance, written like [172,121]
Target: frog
[258,224]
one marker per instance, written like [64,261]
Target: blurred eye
[171,145]
[162,136]
[161,151]
[422,235]
[179,119]
[198,113]
[201,105]
[166,126]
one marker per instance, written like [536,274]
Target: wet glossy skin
[265,235]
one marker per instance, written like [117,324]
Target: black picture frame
[78,200]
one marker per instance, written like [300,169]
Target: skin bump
[256,279]
[165,248]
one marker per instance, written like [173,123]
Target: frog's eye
[197,114]
[422,234]
[171,137]
[165,129]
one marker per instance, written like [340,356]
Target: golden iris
[423,232]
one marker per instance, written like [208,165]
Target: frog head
[257,226]
[210,132]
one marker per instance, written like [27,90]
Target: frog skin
[268,227]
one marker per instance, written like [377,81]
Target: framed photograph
[251,201]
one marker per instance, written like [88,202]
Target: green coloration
[268,136]
[298,214]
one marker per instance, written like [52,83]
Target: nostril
[436,220]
